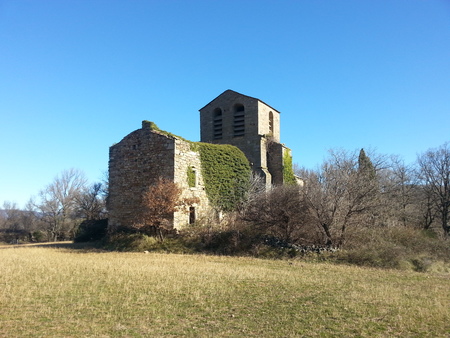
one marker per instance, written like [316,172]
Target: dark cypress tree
[365,165]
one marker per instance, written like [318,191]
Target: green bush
[39,236]
[92,230]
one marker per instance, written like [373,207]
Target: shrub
[394,247]
[231,238]
[282,212]
[13,236]
[39,236]
[91,230]
[141,242]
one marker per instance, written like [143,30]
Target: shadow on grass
[81,247]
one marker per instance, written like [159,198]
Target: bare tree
[344,191]
[434,166]
[91,202]
[256,188]
[11,216]
[427,206]
[281,212]
[57,203]
[11,225]
[17,224]
[3,220]
[400,196]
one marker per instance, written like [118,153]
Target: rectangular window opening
[191,215]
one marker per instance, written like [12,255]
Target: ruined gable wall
[138,161]
[134,164]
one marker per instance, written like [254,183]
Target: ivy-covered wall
[288,170]
[226,172]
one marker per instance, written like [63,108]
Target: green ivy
[226,173]
[288,170]
[191,177]
[152,126]
[225,169]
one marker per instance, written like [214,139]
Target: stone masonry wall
[258,129]
[275,159]
[137,162]
[134,164]
[186,158]
[263,121]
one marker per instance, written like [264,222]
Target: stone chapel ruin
[148,153]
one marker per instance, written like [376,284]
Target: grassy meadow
[66,292]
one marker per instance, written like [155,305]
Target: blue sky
[77,76]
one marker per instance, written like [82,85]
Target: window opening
[192,177]
[239,120]
[217,124]
[271,123]
[191,215]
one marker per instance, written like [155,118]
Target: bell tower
[249,124]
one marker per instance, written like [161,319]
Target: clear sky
[77,76]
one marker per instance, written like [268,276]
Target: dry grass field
[64,292]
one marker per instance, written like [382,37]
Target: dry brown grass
[55,292]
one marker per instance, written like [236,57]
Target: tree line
[57,210]
[354,190]
[350,191]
